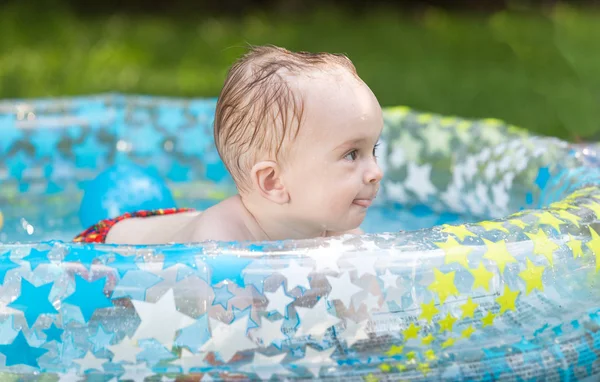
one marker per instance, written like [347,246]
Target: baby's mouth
[363,202]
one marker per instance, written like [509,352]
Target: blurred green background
[533,66]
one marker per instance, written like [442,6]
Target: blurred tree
[233,7]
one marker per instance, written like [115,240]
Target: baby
[298,133]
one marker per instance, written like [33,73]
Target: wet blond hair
[258,110]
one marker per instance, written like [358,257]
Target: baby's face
[331,171]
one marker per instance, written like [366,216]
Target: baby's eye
[351,155]
[375,150]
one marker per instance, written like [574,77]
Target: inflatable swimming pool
[515,298]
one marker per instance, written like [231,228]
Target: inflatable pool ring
[120,189]
[514,296]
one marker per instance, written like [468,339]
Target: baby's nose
[374,174]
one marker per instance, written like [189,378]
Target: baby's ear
[266,179]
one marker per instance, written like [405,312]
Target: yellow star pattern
[518,223]
[533,276]
[430,354]
[468,308]
[429,310]
[447,121]
[371,378]
[449,342]
[498,253]
[428,339]
[447,323]
[488,320]
[507,300]
[594,246]
[424,368]
[595,207]
[424,118]
[562,205]
[455,252]
[542,245]
[467,332]
[443,285]
[549,219]
[400,367]
[411,355]
[411,332]
[460,231]
[385,368]
[491,225]
[575,246]
[394,350]
[482,277]
[569,216]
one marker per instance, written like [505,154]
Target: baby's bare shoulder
[220,222]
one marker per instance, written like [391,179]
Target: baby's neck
[265,224]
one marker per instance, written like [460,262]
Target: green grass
[539,72]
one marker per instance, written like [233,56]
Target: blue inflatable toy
[120,189]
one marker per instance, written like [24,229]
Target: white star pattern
[265,367]
[278,301]
[313,360]
[500,196]
[419,181]
[342,289]
[296,275]
[389,279]
[395,191]
[316,320]
[126,350]
[470,168]
[397,157]
[327,257]
[364,264]
[452,199]
[189,360]
[481,192]
[227,340]
[438,139]
[354,332]
[90,362]
[411,146]
[71,376]
[268,332]
[137,373]
[163,329]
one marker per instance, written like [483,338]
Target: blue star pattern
[7,330]
[6,265]
[125,264]
[542,177]
[83,255]
[101,339]
[37,258]
[195,335]
[134,285]
[89,296]
[239,313]
[222,296]
[20,353]
[180,254]
[53,333]
[227,267]
[33,301]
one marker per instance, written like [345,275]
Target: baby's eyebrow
[352,142]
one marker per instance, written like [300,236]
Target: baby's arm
[356,231]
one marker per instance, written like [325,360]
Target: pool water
[55,217]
